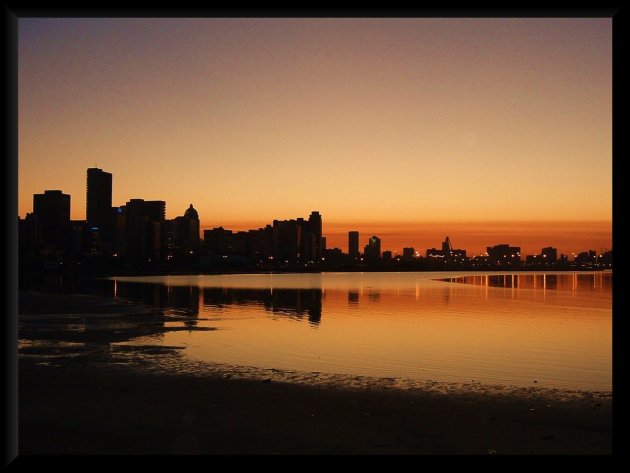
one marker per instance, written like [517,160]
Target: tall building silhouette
[315,227]
[143,222]
[504,254]
[373,249]
[52,212]
[447,252]
[100,217]
[353,245]
[550,254]
[181,234]
[298,240]
[218,241]
[99,197]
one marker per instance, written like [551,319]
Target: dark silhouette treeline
[136,238]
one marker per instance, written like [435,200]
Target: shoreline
[122,410]
[102,396]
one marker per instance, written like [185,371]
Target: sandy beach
[79,394]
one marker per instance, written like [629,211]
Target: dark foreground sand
[85,404]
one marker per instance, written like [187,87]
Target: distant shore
[78,393]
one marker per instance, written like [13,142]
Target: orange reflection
[497,328]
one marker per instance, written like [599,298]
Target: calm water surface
[510,329]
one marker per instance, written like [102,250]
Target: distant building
[29,235]
[586,258]
[315,227]
[387,256]
[550,254]
[447,252]
[261,244]
[353,245]
[52,212]
[99,215]
[143,232]
[299,240]
[372,250]
[334,256]
[408,253]
[606,259]
[287,235]
[504,254]
[181,234]
[218,241]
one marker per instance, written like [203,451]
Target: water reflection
[294,303]
[499,328]
[583,282]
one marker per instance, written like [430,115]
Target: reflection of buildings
[290,302]
[374,295]
[597,282]
[176,298]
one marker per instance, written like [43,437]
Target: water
[520,329]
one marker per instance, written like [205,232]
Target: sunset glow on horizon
[486,130]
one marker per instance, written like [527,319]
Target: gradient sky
[376,123]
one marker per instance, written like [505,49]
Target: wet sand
[79,395]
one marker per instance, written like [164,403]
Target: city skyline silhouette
[480,129]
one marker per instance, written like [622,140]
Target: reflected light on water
[510,329]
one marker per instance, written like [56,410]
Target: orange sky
[370,121]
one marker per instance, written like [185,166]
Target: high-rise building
[261,244]
[99,215]
[144,220]
[353,245]
[181,235]
[218,241]
[52,212]
[299,240]
[373,249]
[550,254]
[315,227]
[287,236]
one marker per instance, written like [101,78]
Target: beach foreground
[90,402]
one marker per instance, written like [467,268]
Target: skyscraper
[315,226]
[52,212]
[144,220]
[99,198]
[99,216]
[373,249]
[353,244]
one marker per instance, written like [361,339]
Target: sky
[486,130]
